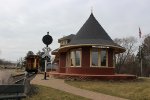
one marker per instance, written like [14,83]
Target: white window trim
[106,58]
[80,57]
[91,58]
[68,59]
[99,59]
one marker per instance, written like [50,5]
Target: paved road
[61,85]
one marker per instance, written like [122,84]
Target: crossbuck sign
[46,52]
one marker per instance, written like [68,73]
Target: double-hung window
[75,57]
[95,58]
[99,57]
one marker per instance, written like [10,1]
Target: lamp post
[47,40]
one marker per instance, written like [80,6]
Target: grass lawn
[135,90]
[46,93]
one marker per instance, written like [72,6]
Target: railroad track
[17,79]
[18,89]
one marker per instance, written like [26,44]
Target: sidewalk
[61,85]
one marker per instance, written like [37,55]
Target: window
[99,57]
[72,58]
[68,59]
[103,57]
[63,42]
[114,59]
[94,57]
[75,58]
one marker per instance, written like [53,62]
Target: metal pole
[141,68]
[45,69]
[51,66]
[47,39]
[51,63]
[45,63]
[141,61]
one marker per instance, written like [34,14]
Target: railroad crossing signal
[46,52]
[47,40]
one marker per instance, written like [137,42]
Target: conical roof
[92,33]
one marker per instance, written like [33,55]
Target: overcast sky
[23,23]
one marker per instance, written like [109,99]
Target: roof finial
[92,9]
[48,33]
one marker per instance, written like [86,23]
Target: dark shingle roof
[55,51]
[92,33]
[69,37]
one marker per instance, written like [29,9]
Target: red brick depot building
[91,51]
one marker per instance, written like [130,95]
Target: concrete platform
[94,77]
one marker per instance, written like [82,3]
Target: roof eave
[118,49]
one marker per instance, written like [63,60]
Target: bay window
[94,57]
[103,57]
[75,57]
[99,57]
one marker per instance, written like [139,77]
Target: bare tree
[145,55]
[129,44]
[146,47]
[20,62]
